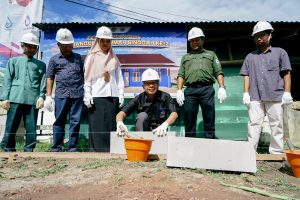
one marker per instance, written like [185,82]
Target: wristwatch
[223,87]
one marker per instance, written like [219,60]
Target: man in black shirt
[155,109]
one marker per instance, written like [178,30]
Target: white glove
[121,100]
[88,98]
[88,101]
[161,130]
[5,104]
[39,103]
[121,128]
[246,98]
[222,94]
[180,97]
[287,98]
[49,104]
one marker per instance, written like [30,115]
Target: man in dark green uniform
[198,71]
[23,94]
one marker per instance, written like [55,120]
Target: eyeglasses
[29,46]
[261,35]
[148,83]
[198,39]
[65,46]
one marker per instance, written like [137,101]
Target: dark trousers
[14,116]
[63,107]
[203,96]
[102,120]
[142,122]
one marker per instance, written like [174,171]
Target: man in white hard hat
[267,86]
[23,94]
[155,109]
[66,68]
[198,71]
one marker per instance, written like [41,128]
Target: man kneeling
[155,109]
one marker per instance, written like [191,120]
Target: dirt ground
[113,177]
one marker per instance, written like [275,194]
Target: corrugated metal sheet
[48,26]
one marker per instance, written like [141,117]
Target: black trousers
[203,96]
[102,120]
[142,122]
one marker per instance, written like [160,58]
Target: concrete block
[2,122]
[2,125]
[20,132]
[225,155]
[44,138]
[159,144]
[291,122]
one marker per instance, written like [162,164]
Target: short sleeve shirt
[201,67]
[68,74]
[265,73]
[158,111]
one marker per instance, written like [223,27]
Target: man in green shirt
[23,94]
[198,71]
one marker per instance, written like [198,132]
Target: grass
[56,168]
[25,170]
[223,175]
[279,184]
[45,147]
[118,178]
[105,163]
[1,175]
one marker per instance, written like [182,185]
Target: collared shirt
[158,111]
[264,71]
[24,80]
[200,67]
[98,87]
[68,74]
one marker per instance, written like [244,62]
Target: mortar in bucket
[137,149]
[293,157]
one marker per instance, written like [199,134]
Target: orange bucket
[137,149]
[293,157]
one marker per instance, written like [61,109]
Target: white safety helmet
[262,26]
[64,36]
[104,33]
[30,38]
[194,33]
[150,75]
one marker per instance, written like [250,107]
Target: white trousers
[257,111]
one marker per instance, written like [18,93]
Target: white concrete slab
[159,144]
[225,155]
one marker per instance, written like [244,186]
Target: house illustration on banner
[133,65]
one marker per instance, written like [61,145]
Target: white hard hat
[64,36]
[262,26]
[104,33]
[150,75]
[194,33]
[30,38]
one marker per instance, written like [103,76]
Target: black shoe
[9,150]
[55,150]
[73,150]
[28,150]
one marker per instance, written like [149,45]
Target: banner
[16,18]
[138,48]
